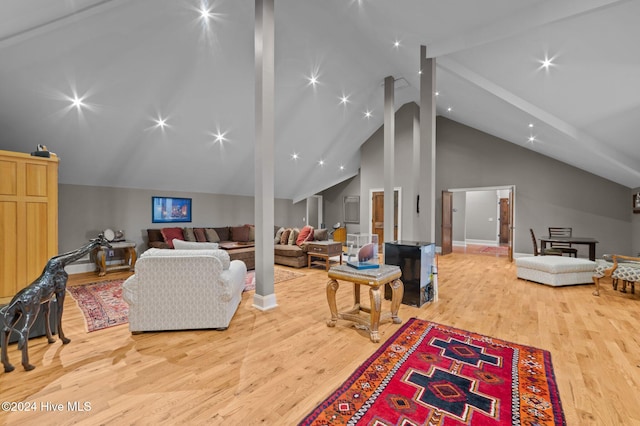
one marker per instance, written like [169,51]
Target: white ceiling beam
[582,139]
[517,23]
[59,22]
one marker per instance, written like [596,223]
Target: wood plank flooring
[272,368]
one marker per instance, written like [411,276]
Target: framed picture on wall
[170,209]
[351,209]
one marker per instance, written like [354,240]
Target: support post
[427,182]
[264,298]
[389,158]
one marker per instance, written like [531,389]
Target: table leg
[356,294]
[376,307]
[592,251]
[102,258]
[326,265]
[596,281]
[332,288]
[134,257]
[397,292]
[308,261]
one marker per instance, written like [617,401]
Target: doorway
[491,225]
[314,211]
[376,213]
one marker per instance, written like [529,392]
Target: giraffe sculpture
[27,302]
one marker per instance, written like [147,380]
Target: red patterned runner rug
[101,303]
[432,374]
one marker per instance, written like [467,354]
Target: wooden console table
[375,279]
[129,261]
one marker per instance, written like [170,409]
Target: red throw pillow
[170,233]
[306,234]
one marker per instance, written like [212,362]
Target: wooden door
[505,223]
[447,222]
[377,216]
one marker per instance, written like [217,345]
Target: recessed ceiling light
[530,125]
[78,102]
[532,138]
[368,114]
[420,72]
[321,163]
[437,93]
[313,79]
[219,137]
[294,156]
[547,62]
[344,99]
[341,167]
[205,14]
[161,122]
[449,109]
[396,44]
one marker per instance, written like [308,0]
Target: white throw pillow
[192,245]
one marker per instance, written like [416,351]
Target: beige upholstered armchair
[184,289]
[618,267]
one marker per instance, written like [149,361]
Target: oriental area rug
[279,275]
[432,374]
[101,303]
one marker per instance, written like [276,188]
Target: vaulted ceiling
[152,94]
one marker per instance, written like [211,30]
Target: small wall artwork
[170,209]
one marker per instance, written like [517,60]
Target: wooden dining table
[590,241]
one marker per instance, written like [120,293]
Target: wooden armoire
[28,218]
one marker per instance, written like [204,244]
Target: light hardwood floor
[272,368]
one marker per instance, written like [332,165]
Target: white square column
[264,297]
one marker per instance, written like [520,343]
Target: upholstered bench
[555,270]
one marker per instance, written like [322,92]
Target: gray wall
[84,211]
[334,202]
[481,216]
[548,192]
[372,166]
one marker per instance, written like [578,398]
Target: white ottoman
[556,270]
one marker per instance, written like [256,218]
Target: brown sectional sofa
[284,254]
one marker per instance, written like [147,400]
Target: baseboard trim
[264,303]
[80,268]
[490,243]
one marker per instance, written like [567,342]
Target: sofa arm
[233,279]
[129,290]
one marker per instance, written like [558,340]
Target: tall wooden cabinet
[28,218]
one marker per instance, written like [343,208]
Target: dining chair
[543,252]
[563,247]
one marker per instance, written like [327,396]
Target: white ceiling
[133,61]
